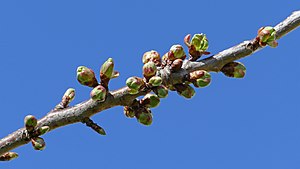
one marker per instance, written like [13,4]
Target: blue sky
[232,124]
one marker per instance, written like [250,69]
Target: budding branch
[121,97]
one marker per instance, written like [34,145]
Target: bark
[121,97]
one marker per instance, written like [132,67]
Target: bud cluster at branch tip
[267,36]
[86,76]
[33,132]
[234,69]
[197,46]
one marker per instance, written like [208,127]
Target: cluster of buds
[174,58]
[140,109]
[234,69]
[86,76]
[152,61]
[30,123]
[197,45]
[267,36]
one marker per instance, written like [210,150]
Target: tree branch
[121,97]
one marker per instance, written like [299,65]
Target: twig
[69,115]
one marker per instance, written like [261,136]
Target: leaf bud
[38,143]
[234,69]
[30,122]
[200,42]
[161,91]
[86,76]
[176,52]
[185,90]
[150,100]
[145,117]
[135,83]
[203,81]
[107,69]
[98,93]
[152,56]
[149,69]
[155,81]
[43,130]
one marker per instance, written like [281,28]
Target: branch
[63,115]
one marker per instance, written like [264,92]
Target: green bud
[135,83]
[69,95]
[185,90]
[98,93]
[200,42]
[129,112]
[151,55]
[144,117]
[234,69]
[107,69]
[86,76]
[203,81]
[161,91]
[267,35]
[43,130]
[155,81]
[30,122]
[177,52]
[150,100]
[38,143]
[8,156]
[149,69]
[100,130]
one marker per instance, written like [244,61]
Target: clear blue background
[232,124]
